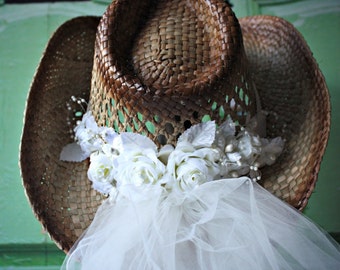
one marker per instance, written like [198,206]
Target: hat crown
[162,66]
[183,47]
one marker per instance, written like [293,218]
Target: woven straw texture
[176,66]
[294,93]
[60,193]
[158,68]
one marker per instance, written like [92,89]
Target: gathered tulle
[222,224]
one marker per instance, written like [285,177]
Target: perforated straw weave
[158,68]
[60,192]
[293,91]
[182,61]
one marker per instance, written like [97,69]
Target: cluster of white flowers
[129,161]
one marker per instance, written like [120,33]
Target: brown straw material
[60,193]
[293,91]
[183,61]
[159,67]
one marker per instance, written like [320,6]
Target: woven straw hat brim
[59,192]
[293,91]
[290,84]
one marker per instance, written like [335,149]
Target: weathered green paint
[24,32]
[31,254]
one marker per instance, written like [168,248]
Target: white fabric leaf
[201,135]
[133,140]
[72,152]
[227,128]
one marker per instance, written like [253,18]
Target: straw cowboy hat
[156,68]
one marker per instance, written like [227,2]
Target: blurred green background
[24,33]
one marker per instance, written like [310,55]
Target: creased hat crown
[168,66]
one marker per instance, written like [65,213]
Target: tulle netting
[222,224]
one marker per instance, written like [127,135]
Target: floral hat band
[175,94]
[204,152]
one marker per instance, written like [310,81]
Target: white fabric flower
[245,151]
[107,134]
[271,149]
[130,165]
[191,167]
[139,167]
[101,172]
[90,137]
[164,153]
[245,148]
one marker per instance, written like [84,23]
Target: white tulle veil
[196,205]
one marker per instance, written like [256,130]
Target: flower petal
[201,135]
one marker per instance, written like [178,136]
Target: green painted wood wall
[24,32]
